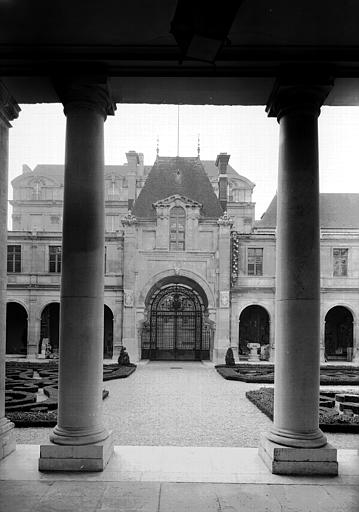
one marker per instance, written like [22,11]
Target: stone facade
[225,256]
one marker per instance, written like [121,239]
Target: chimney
[133,161]
[221,163]
[141,166]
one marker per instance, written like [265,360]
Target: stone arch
[338,333]
[50,328]
[170,276]
[108,332]
[254,327]
[16,328]
[177,324]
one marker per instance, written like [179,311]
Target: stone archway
[177,327]
[16,329]
[107,333]
[338,337]
[254,328]
[50,327]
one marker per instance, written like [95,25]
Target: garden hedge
[332,375]
[329,418]
[21,388]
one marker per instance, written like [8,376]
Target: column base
[284,460]
[314,439]
[86,457]
[7,438]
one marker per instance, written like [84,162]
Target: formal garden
[31,390]
[338,409]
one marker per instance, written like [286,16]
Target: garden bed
[25,379]
[330,419]
[265,374]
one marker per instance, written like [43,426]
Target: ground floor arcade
[176,324]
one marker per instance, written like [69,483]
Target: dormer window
[177,228]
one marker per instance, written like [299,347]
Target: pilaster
[223,341]
[129,334]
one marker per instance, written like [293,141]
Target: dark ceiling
[166,51]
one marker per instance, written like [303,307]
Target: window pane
[177,228]
[340,262]
[14,258]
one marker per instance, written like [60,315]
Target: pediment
[25,181]
[177,200]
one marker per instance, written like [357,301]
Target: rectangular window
[14,258]
[255,261]
[55,258]
[112,223]
[340,262]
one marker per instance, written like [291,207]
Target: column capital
[129,219]
[304,92]
[9,109]
[87,92]
[225,220]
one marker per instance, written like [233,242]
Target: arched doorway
[16,329]
[50,323]
[339,334]
[176,328]
[254,328]
[107,333]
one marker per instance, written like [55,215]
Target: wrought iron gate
[176,328]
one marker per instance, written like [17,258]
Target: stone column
[9,110]
[80,441]
[129,330]
[297,104]
[224,307]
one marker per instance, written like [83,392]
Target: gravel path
[181,404]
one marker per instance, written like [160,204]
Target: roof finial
[198,146]
[158,146]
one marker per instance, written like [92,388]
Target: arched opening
[177,327]
[107,333]
[50,327]
[16,329]
[254,328]
[339,334]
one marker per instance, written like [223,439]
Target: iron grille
[176,328]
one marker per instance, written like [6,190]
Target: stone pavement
[181,404]
[176,479]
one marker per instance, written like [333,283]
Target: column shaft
[296,420]
[82,281]
[8,111]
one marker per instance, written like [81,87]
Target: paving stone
[192,406]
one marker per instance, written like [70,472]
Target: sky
[246,133]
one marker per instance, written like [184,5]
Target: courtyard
[181,403]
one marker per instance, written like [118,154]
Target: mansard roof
[184,176]
[56,172]
[336,211]
[212,172]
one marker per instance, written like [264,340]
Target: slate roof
[336,211]
[56,172]
[185,176]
